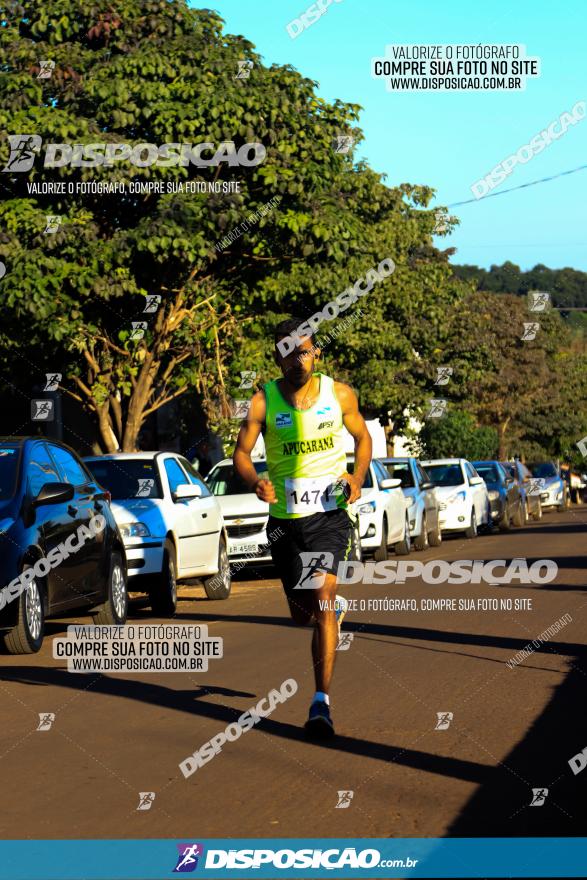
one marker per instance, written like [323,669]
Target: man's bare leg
[325,638]
[324,643]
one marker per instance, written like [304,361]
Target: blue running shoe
[319,724]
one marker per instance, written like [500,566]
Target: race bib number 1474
[311,495]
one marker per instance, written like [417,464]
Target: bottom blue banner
[304,858]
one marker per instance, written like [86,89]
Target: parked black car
[505,500]
[60,548]
[528,485]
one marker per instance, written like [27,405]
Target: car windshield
[9,457]
[509,468]
[544,469]
[222,480]
[400,470]
[445,474]
[489,472]
[126,477]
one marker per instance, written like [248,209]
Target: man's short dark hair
[289,327]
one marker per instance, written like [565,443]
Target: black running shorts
[323,538]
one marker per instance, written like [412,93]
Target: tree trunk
[109,438]
[138,403]
[501,434]
[389,441]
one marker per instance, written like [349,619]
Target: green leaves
[145,71]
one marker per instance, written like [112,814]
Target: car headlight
[458,496]
[366,507]
[134,530]
[493,495]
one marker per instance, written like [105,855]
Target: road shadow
[509,643]
[501,805]
[194,702]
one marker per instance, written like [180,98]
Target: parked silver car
[422,498]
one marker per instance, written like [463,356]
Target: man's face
[297,367]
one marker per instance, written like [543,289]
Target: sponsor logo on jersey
[323,425]
[283,420]
[303,447]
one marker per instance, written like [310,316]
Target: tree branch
[113,346]
[162,401]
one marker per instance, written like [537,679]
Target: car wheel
[421,541]
[382,552]
[402,548]
[538,514]
[435,538]
[471,532]
[218,586]
[26,637]
[518,517]
[114,610]
[163,592]
[355,553]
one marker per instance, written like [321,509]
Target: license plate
[245,548]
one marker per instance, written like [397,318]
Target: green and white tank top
[305,452]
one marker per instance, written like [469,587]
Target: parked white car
[171,524]
[422,498]
[464,500]
[383,515]
[245,515]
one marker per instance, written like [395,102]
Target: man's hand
[354,484]
[264,490]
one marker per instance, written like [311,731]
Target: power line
[522,186]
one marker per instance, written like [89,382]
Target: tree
[156,72]
[568,287]
[457,435]
[518,386]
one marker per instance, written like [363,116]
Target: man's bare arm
[357,428]
[247,437]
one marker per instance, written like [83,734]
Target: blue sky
[449,140]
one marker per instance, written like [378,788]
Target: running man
[301,416]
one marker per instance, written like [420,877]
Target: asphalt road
[512,730]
